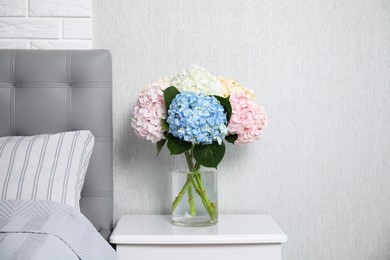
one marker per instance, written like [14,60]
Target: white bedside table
[243,237]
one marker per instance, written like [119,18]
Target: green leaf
[169,94]
[209,155]
[225,102]
[176,145]
[231,138]
[160,145]
[165,125]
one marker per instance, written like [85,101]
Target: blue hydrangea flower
[196,118]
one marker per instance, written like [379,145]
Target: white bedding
[45,230]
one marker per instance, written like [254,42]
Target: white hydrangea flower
[198,80]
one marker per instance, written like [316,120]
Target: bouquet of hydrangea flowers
[193,113]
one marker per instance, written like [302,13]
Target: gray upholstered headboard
[56,91]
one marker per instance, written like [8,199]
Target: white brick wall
[73,8]
[77,29]
[46,24]
[13,7]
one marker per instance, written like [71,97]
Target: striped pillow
[45,167]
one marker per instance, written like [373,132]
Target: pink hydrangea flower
[148,113]
[248,118]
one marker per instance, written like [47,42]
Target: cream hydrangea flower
[232,85]
[198,80]
[165,80]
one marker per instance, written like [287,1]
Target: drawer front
[196,252]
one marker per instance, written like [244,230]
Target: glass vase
[195,198]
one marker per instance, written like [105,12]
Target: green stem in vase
[210,207]
[203,197]
[191,201]
[194,180]
[187,186]
[205,201]
[180,195]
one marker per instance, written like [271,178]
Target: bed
[49,92]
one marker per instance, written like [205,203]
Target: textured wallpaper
[322,71]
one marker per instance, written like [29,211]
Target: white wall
[321,69]
[45,24]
